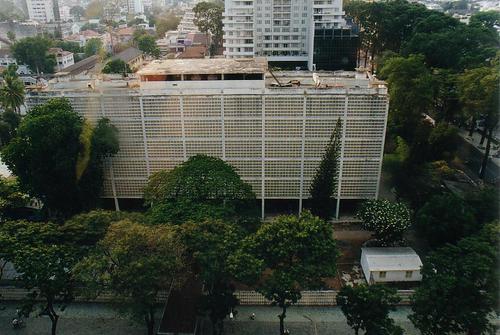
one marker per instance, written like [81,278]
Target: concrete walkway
[303,321]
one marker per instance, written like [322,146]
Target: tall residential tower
[281,30]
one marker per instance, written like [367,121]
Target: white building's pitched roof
[391,259]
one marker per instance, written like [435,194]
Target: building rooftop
[205,66]
[79,67]
[128,54]
[392,259]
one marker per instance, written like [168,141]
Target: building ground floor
[269,207]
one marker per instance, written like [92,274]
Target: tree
[134,262]
[367,308]
[285,256]
[487,19]
[43,265]
[388,220]
[95,10]
[77,12]
[479,92]
[147,44]
[12,90]
[209,244]
[443,141]
[208,19]
[410,91]
[9,121]
[166,22]
[11,36]
[73,47]
[445,219]
[201,187]
[116,66]
[93,47]
[33,51]
[324,184]
[464,277]
[484,203]
[11,197]
[57,157]
[10,11]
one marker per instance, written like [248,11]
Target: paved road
[469,152]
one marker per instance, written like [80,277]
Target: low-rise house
[125,35]
[132,56]
[82,67]
[382,265]
[63,58]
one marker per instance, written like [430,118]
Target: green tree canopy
[44,262]
[134,262]
[57,157]
[147,44]
[209,244]
[324,184]
[445,219]
[77,12]
[11,197]
[166,22]
[93,46]
[208,19]
[465,278]
[94,10]
[484,203]
[387,220]
[33,51]
[116,66]
[285,256]
[367,308]
[202,187]
[12,90]
[410,90]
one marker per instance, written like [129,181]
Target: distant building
[282,31]
[7,59]
[84,67]
[132,56]
[63,58]
[272,128]
[335,49]
[64,13]
[186,25]
[382,265]
[177,42]
[135,6]
[125,35]
[41,10]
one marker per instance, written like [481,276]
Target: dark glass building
[335,49]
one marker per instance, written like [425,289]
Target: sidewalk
[474,141]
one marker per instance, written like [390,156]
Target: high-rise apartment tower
[281,30]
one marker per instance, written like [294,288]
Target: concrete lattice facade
[274,136]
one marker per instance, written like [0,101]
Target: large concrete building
[281,30]
[272,128]
[41,10]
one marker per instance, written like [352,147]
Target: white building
[281,30]
[64,13]
[41,10]
[135,6]
[63,58]
[275,136]
[186,25]
[382,265]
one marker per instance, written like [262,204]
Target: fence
[309,298]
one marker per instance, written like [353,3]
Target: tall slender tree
[12,91]
[325,181]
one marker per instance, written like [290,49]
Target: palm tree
[12,91]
